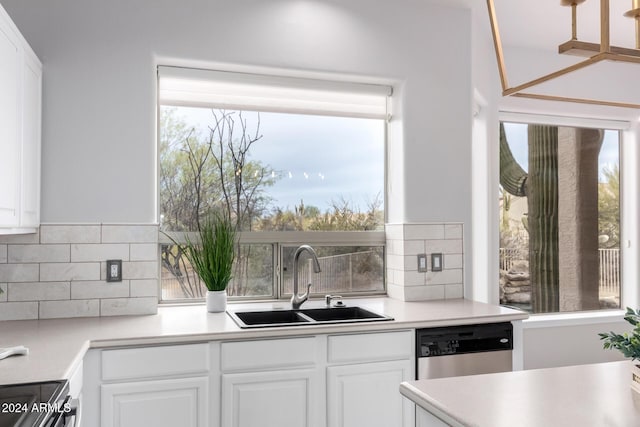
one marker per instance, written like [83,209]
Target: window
[292,161]
[559,217]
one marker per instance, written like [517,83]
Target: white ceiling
[544,24]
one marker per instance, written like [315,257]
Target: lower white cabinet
[159,386]
[425,419]
[276,398]
[173,402]
[367,395]
[338,380]
[364,376]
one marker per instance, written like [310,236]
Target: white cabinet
[367,395]
[163,386]
[364,390]
[287,398]
[425,419]
[338,380]
[161,403]
[20,127]
[271,383]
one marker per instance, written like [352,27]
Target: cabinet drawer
[370,347]
[148,362]
[268,354]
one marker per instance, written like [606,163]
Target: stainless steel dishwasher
[464,350]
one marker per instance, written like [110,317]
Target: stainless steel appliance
[44,404]
[464,350]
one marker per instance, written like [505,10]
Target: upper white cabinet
[20,131]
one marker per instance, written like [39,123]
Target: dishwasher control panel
[450,340]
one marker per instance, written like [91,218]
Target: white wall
[99,97]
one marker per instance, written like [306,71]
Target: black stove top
[31,405]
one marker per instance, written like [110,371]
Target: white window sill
[572,319]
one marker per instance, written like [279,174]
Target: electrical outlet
[436,262]
[114,270]
[422,263]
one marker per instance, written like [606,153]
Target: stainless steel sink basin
[310,316]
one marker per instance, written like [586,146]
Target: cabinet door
[31,128]
[425,419]
[163,403]
[9,126]
[368,395]
[274,398]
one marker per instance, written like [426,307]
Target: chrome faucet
[298,300]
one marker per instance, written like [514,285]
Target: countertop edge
[431,405]
[78,336]
[293,331]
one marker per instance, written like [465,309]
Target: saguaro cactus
[542,201]
[540,186]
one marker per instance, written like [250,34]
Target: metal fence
[351,272]
[609,260]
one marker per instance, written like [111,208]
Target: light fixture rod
[555,74]
[574,20]
[605,41]
[497,44]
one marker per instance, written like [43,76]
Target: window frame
[627,136]
[287,238]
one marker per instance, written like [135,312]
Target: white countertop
[57,346]
[594,395]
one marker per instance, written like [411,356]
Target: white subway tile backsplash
[99,252]
[20,238]
[39,291]
[38,253]
[444,277]
[144,288]
[453,261]
[55,272]
[422,293]
[394,231]
[60,271]
[140,270]
[98,289]
[18,310]
[405,242]
[144,252]
[69,234]
[128,306]
[69,308]
[395,291]
[413,247]
[129,234]
[453,246]
[453,231]
[423,231]
[454,291]
[395,261]
[19,273]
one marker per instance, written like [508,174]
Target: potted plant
[628,344]
[211,257]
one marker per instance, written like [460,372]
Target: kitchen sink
[311,316]
[340,314]
[268,318]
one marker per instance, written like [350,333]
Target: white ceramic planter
[216,301]
[635,376]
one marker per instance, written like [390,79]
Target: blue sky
[517,137]
[319,158]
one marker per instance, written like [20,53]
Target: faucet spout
[298,300]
